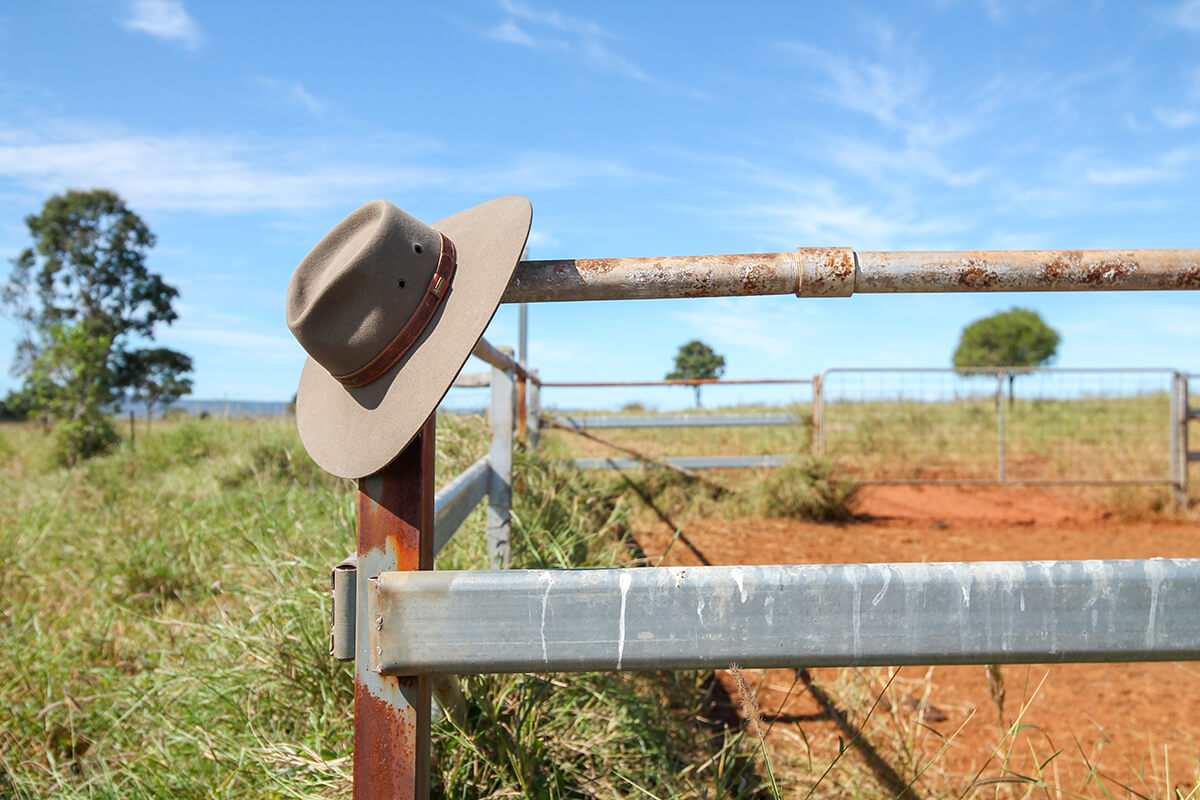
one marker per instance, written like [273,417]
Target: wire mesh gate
[1031,426]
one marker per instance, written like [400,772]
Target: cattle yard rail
[412,627]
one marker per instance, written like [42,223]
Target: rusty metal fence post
[391,714]
[499,516]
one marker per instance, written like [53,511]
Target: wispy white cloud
[1169,166]
[1177,118]
[292,93]
[566,35]
[229,174]
[819,215]
[1185,15]
[164,19]
[554,19]
[508,31]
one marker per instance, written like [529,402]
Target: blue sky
[242,132]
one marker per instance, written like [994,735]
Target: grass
[164,623]
[164,626]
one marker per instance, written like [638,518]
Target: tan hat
[388,309]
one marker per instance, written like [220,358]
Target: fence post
[499,518]
[1180,414]
[1000,426]
[391,714]
[534,422]
[522,422]
[818,414]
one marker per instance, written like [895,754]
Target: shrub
[82,438]
[805,488]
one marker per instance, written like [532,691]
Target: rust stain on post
[391,715]
[521,410]
[386,741]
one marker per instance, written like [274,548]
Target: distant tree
[78,295]
[68,381]
[697,361]
[1018,337]
[157,376]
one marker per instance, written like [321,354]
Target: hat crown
[358,287]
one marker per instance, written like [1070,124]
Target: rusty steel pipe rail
[841,272]
[488,353]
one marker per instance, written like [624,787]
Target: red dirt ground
[1125,717]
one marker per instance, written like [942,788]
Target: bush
[805,488]
[79,439]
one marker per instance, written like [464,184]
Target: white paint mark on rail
[739,578]
[625,580]
[545,601]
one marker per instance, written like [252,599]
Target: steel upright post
[1000,426]
[534,412]
[818,415]
[391,714]
[499,517]
[1180,414]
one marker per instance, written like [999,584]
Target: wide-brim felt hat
[388,309]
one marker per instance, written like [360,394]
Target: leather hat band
[416,324]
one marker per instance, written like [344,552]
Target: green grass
[164,629]
[164,626]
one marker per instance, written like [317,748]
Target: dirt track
[1120,715]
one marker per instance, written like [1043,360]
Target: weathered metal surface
[671,276]
[681,382]
[826,271]
[498,357]
[522,411]
[391,714]
[788,616]
[500,456]
[343,609]
[457,499]
[840,272]
[1028,271]
[534,412]
[685,462]
[678,420]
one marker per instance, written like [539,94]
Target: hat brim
[356,432]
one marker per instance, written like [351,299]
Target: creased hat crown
[354,292]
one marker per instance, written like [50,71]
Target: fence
[1040,426]
[691,421]
[411,624]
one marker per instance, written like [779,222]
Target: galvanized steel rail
[685,462]
[841,272]
[785,616]
[678,420]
